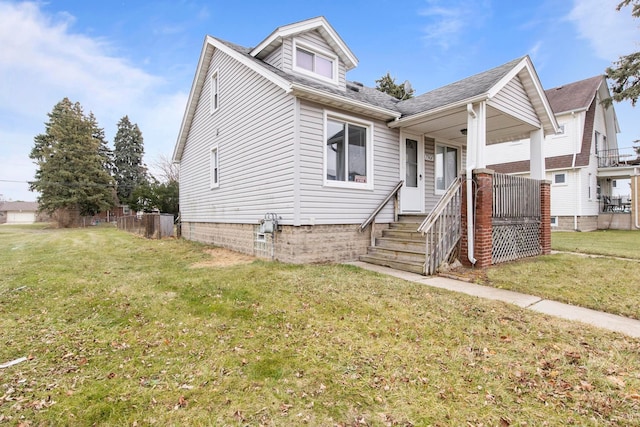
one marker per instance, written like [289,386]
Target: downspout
[470,220]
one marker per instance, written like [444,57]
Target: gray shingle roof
[355,91]
[573,96]
[463,89]
[458,91]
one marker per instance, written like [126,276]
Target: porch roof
[443,112]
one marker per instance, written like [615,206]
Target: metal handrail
[375,213]
[440,206]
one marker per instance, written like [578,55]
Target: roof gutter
[379,112]
[414,118]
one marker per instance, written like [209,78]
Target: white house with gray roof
[278,131]
[583,160]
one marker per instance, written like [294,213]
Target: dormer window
[317,64]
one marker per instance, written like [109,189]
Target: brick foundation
[545,217]
[298,245]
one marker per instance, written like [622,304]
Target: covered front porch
[443,140]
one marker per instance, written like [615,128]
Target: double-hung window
[214,168]
[215,92]
[446,166]
[348,152]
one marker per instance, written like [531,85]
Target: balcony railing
[618,157]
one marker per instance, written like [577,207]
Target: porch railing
[442,228]
[372,218]
[516,218]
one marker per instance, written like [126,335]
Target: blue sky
[138,58]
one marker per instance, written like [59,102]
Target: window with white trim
[215,92]
[348,159]
[313,62]
[215,170]
[561,129]
[559,178]
[554,221]
[446,166]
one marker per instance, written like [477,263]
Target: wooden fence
[515,218]
[149,225]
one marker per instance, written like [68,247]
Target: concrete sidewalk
[608,321]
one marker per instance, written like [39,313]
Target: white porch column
[476,135]
[536,153]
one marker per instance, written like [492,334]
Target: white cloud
[447,21]
[610,33]
[43,60]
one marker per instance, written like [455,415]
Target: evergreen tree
[625,73]
[128,169]
[387,84]
[70,157]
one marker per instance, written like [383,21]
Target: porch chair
[607,205]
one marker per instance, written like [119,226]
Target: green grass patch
[604,284]
[615,243]
[121,330]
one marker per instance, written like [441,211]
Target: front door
[412,172]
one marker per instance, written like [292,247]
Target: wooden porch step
[402,234]
[410,266]
[401,244]
[397,254]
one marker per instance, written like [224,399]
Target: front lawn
[601,283]
[118,330]
[617,243]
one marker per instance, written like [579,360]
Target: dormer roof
[271,43]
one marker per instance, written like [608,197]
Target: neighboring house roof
[18,206]
[574,96]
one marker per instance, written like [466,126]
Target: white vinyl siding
[254,135]
[564,200]
[321,204]
[513,99]
[275,58]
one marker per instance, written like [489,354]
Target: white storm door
[412,172]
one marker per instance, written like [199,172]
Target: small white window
[315,63]
[215,92]
[559,178]
[554,221]
[215,172]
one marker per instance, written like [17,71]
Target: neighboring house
[582,159]
[18,212]
[278,131]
